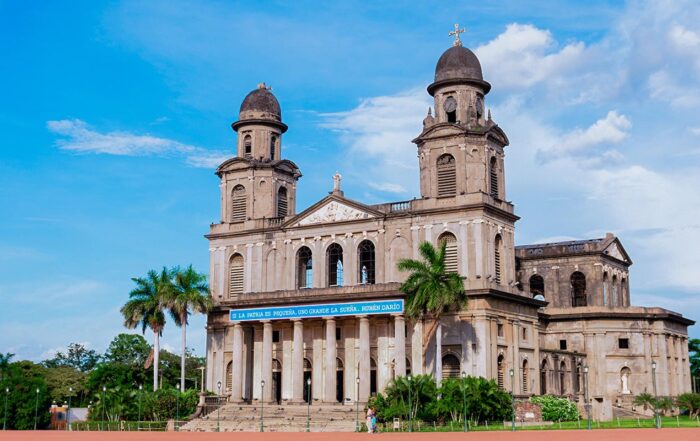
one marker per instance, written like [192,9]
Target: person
[370,416]
[374,421]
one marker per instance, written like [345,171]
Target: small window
[248,147]
[446,176]
[238,204]
[562,345]
[273,144]
[623,343]
[236,274]
[524,334]
[338,334]
[275,336]
[500,329]
[282,203]
[451,259]
[493,178]
[497,252]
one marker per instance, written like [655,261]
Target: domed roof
[456,65]
[261,100]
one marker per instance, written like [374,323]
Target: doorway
[307,381]
[276,381]
[339,381]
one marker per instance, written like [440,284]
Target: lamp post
[464,399]
[36,407]
[4,420]
[308,404]
[657,420]
[511,372]
[177,405]
[138,423]
[262,404]
[585,396]
[357,404]
[104,405]
[218,407]
[410,407]
[70,395]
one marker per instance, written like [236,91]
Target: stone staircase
[277,418]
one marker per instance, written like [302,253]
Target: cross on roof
[456,33]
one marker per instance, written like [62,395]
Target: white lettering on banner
[308,311]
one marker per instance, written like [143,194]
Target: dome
[458,65]
[261,100]
[260,107]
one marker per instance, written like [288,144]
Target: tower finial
[455,33]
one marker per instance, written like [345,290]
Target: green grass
[458,426]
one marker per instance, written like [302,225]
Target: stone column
[266,368]
[237,365]
[364,361]
[298,362]
[517,377]
[399,346]
[330,368]
[478,248]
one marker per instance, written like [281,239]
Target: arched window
[537,287]
[500,363]
[273,144]
[334,257]
[282,202]
[304,268]
[562,378]
[450,241]
[605,288]
[544,372]
[623,292]
[525,376]
[493,178]
[497,251]
[578,289]
[450,366]
[238,204]
[614,300]
[366,267]
[248,147]
[446,176]
[451,109]
[577,379]
[236,272]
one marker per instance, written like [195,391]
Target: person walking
[370,416]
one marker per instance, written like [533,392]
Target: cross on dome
[455,33]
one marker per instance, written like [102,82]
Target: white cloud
[377,134]
[612,129]
[524,55]
[664,86]
[81,138]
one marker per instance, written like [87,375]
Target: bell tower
[258,183]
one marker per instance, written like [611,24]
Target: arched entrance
[372,377]
[307,380]
[450,366]
[543,378]
[276,381]
[339,381]
[562,378]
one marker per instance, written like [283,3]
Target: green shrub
[690,403]
[555,408]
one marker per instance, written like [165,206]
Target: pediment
[616,251]
[331,210]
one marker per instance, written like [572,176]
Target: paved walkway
[530,435]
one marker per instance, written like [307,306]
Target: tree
[394,402]
[190,293]
[645,399]
[23,379]
[128,349]
[431,290]
[77,356]
[694,356]
[145,308]
[689,402]
[60,379]
[482,400]
[5,364]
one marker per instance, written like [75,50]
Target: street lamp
[262,404]
[36,407]
[104,405]
[218,407]
[511,372]
[308,404]
[657,420]
[464,400]
[357,404]
[138,424]
[585,396]
[177,405]
[4,420]
[410,407]
[70,395]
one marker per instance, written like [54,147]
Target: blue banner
[320,310]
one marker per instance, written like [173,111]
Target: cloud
[524,55]
[81,138]
[377,135]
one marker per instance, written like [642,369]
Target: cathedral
[308,306]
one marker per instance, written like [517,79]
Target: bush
[690,403]
[556,409]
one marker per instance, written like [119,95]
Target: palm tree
[430,291]
[145,308]
[190,293]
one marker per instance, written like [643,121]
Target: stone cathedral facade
[308,303]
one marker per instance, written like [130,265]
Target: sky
[115,114]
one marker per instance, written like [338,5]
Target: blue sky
[114,115]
